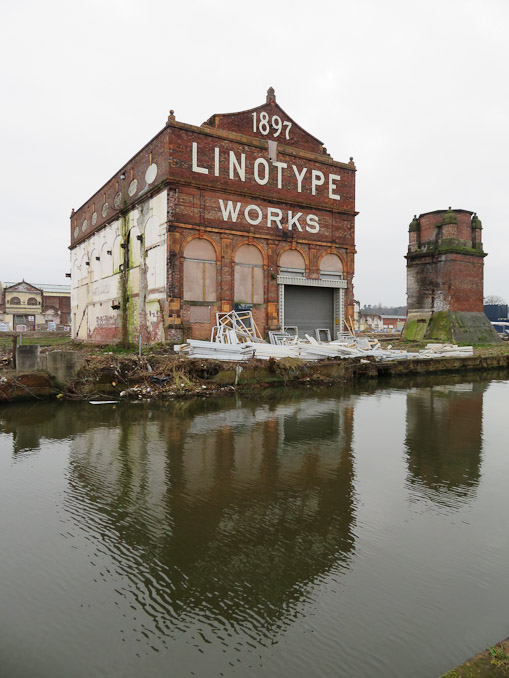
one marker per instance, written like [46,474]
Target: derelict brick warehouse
[246,211]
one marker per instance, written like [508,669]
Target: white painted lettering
[264,123]
[200,170]
[317,179]
[280,167]
[312,224]
[294,220]
[300,177]
[266,170]
[274,215]
[229,212]
[239,167]
[256,221]
[277,125]
[216,161]
[332,186]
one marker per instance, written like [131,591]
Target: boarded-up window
[106,260]
[155,256]
[32,301]
[118,254]
[152,232]
[156,268]
[200,271]
[331,263]
[134,247]
[95,266]
[15,301]
[292,260]
[248,275]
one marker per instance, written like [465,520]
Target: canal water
[358,533]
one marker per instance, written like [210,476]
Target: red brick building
[445,278]
[248,210]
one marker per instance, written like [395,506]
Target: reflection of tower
[244,511]
[444,438]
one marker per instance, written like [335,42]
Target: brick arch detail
[305,255]
[247,242]
[215,245]
[338,254]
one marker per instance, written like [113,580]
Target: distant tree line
[379,309]
[494,299]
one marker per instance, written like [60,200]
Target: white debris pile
[446,350]
[235,327]
[194,348]
[235,337]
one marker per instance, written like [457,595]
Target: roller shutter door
[309,308]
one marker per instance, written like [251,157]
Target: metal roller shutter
[309,308]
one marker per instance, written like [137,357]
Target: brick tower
[445,262]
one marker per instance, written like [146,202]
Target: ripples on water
[311,533]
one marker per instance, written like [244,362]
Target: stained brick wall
[445,262]
[228,184]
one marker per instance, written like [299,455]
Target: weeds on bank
[499,658]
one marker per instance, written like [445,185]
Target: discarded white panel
[322,334]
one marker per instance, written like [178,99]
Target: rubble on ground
[235,337]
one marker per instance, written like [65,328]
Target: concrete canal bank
[78,375]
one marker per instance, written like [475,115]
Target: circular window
[117,200]
[151,173]
[132,187]
[105,209]
[84,226]
[94,218]
[76,232]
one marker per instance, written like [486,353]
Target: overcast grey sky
[417,92]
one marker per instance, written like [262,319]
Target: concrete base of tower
[459,327]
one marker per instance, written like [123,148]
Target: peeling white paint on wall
[96,273]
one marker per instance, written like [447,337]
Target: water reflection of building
[444,439]
[29,423]
[240,507]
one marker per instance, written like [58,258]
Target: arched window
[248,275]
[118,254]
[14,301]
[331,267]
[152,232]
[84,269]
[134,246]
[292,261]
[106,260]
[32,301]
[200,271]
[155,258]
[95,266]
